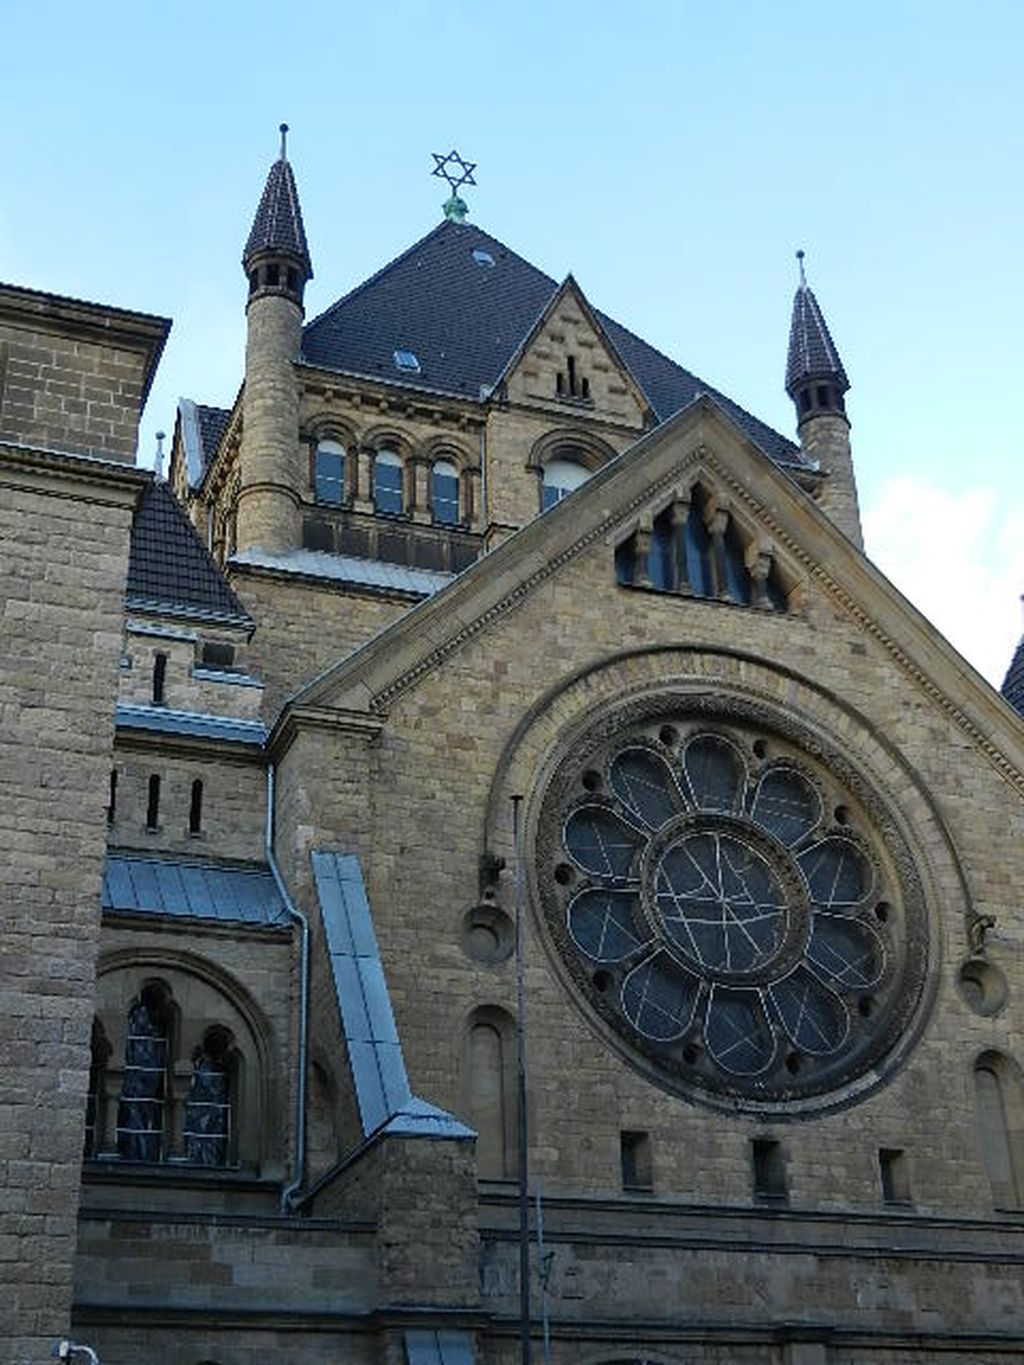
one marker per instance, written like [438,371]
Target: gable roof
[202,427]
[170,569]
[464,320]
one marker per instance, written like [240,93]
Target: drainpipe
[288,1194]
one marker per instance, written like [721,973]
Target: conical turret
[276,257]
[817,383]
[277,264]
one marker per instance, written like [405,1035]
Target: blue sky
[672,155]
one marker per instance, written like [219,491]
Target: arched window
[330,472]
[387,482]
[1000,1099]
[490,1093]
[444,492]
[562,477]
[208,1127]
[140,1113]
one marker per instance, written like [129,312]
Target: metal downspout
[288,1194]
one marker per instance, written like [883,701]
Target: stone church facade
[478,633]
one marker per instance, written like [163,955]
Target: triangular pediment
[569,362]
[701,448]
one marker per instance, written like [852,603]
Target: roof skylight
[482,257]
[407,361]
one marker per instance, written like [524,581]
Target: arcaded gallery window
[387,483]
[330,472]
[169,1088]
[444,492]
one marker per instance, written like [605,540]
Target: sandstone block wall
[63,560]
[73,376]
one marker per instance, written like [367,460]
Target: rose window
[731,907]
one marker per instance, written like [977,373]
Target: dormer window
[444,492]
[330,472]
[562,477]
[387,483]
[407,361]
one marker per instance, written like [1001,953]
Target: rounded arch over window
[188,1075]
[329,471]
[444,492]
[489,1089]
[999,1093]
[387,481]
[565,460]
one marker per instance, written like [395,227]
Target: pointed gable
[569,359]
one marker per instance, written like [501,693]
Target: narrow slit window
[159,679]
[894,1175]
[635,1154]
[112,800]
[769,1169]
[153,802]
[195,808]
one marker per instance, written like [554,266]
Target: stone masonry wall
[75,380]
[63,560]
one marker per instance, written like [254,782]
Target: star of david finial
[457,172]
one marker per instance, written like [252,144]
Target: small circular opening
[488,934]
[983,986]
[760,748]
[563,874]
[483,941]
[602,980]
[842,815]
[592,780]
[882,911]
[866,1006]
[668,735]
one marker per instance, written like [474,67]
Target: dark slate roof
[212,425]
[1013,683]
[170,569]
[464,322]
[812,352]
[278,223]
[184,889]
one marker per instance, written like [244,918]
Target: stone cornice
[60,473]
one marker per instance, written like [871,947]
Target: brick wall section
[63,560]
[74,376]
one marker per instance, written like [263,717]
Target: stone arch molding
[194,980]
[730,687]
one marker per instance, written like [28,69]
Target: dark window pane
[387,487]
[444,496]
[330,476]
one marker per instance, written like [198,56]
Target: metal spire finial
[158,463]
[457,172]
[803,278]
[284,141]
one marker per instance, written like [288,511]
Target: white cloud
[959,557]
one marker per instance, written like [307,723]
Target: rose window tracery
[731,906]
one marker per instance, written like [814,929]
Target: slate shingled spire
[1013,683]
[813,357]
[278,237]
